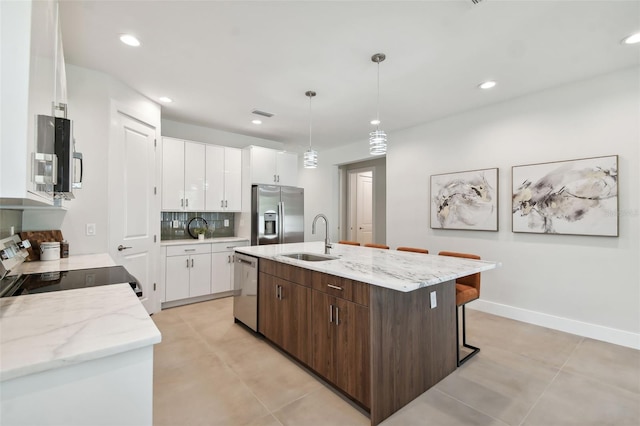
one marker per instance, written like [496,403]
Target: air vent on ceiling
[262,113]
[475,1]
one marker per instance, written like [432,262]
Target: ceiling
[219,60]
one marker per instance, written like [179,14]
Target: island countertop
[400,271]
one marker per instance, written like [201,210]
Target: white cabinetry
[224,179]
[188,271]
[198,271]
[33,79]
[183,175]
[269,166]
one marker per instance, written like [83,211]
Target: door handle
[121,247]
[337,320]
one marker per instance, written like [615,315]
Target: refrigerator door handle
[281,222]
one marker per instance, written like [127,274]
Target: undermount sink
[310,257]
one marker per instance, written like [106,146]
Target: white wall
[193,132]
[90,95]
[584,285]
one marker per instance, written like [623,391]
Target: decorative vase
[201,236]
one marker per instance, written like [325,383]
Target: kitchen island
[379,325]
[76,357]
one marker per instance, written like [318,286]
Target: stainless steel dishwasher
[245,294]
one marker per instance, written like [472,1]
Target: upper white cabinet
[33,80]
[183,175]
[269,166]
[223,179]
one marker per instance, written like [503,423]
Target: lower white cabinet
[198,270]
[188,271]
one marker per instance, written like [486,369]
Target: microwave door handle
[78,156]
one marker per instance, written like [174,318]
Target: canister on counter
[64,249]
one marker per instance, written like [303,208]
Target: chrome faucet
[327,243]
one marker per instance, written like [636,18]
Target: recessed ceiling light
[375,122]
[165,99]
[256,122]
[129,40]
[487,84]
[632,39]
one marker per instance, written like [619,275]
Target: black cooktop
[69,280]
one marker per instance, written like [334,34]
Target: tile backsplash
[174,224]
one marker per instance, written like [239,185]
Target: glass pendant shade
[310,156]
[378,142]
[310,159]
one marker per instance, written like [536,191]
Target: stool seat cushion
[465,294]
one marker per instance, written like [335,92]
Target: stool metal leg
[474,350]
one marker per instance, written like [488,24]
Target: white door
[199,274]
[133,207]
[221,271]
[287,169]
[177,278]
[214,186]
[194,176]
[172,174]
[364,203]
[263,165]
[233,179]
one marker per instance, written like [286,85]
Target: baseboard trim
[593,331]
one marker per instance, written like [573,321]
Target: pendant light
[378,138]
[310,156]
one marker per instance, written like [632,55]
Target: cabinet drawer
[219,247]
[286,272]
[354,291]
[188,249]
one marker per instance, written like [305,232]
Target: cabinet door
[194,176]
[172,174]
[233,179]
[351,349]
[295,319]
[268,305]
[322,313]
[215,172]
[221,272]
[177,278]
[287,168]
[199,274]
[263,165]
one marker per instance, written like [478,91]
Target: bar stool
[467,290]
[413,249]
[380,246]
[351,243]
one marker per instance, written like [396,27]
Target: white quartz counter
[205,241]
[401,271]
[44,331]
[83,261]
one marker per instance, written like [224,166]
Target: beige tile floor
[210,371]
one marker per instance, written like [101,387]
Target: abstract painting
[465,200]
[576,197]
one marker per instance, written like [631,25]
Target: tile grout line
[546,388]
[467,405]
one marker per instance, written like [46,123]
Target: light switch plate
[226,222]
[434,300]
[91,229]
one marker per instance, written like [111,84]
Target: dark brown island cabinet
[379,347]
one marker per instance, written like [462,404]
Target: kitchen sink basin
[310,257]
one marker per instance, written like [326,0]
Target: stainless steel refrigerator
[277,214]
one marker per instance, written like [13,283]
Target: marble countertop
[205,241]
[82,261]
[43,331]
[401,271]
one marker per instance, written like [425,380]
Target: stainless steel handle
[226,203]
[54,176]
[121,247]
[248,262]
[278,178]
[228,259]
[221,203]
[337,319]
[274,178]
[187,263]
[181,202]
[334,286]
[189,249]
[282,218]
[330,314]
[192,263]
[186,202]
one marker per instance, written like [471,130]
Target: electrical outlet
[226,222]
[91,229]
[434,300]
[175,224]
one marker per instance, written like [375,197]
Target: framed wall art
[465,200]
[575,197]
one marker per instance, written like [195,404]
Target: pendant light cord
[378,100]
[310,122]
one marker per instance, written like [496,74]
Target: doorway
[363,201]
